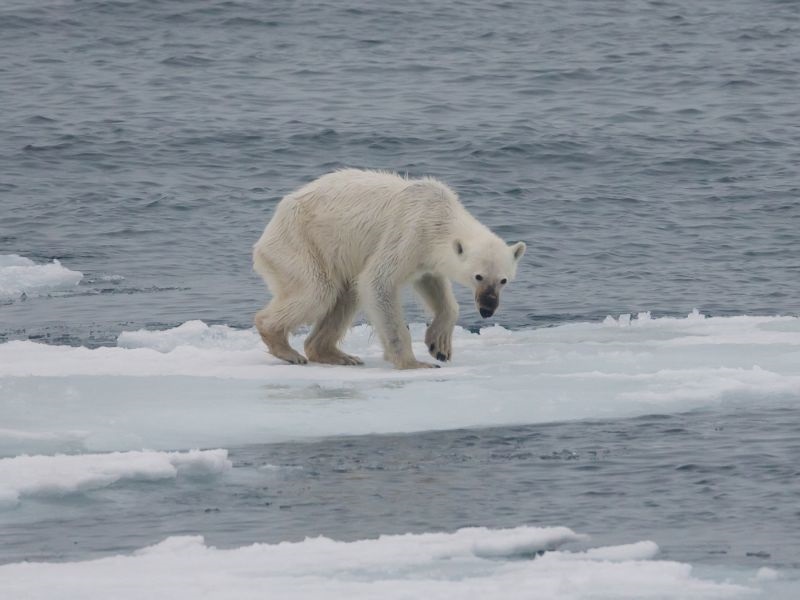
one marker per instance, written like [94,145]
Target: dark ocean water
[647,152]
[710,487]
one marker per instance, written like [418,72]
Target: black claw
[432,346]
[440,356]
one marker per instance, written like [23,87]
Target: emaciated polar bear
[355,238]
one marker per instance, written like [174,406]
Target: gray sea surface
[710,487]
[646,151]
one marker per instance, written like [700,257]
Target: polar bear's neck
[465,227]
[468,227]
[474,238]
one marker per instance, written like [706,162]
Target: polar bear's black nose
[487,302]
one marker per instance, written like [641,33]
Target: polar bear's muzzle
[487,301]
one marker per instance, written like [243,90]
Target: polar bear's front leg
[381,300]
[437,293]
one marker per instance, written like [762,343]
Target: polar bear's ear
[518,249]
[458,247]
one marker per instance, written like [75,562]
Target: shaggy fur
[354,238]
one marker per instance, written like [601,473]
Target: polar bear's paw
[417,364]
[439,343]
[290,356]
[333,357]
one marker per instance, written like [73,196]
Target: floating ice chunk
[522,541]
[228,390]
[433,565]
[695,315]
[64,474]
[638,551]
[21,276]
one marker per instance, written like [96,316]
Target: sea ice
[21,276]
[225,389]
[222,388]
[64,474]
[432,565]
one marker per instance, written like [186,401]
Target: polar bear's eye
[503,281]
[479,277]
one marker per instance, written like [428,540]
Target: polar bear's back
[363,206]
[354,185]
[354,193]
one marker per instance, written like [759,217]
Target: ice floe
[523,562]
[20,276]
[65,474]
[225,389]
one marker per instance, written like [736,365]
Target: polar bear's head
[486,266]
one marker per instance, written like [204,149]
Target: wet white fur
[354,238]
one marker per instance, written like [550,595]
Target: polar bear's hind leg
[288,311]
[321,344]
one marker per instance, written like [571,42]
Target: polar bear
[353,238]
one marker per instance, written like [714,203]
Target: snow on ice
[469,563]
[228,390]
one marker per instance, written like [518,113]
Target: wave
[523,562]
[233,392]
